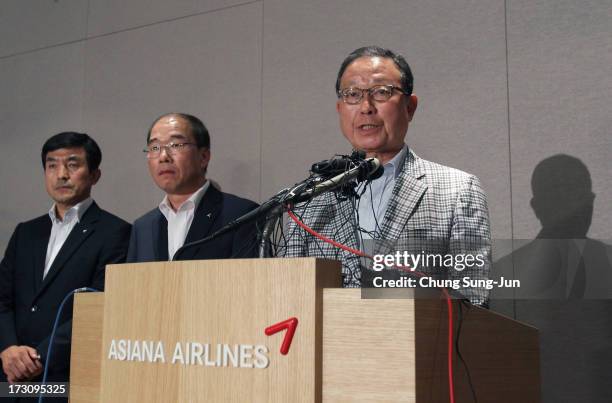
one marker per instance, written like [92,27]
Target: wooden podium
[194,331]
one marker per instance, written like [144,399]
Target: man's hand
[20,363]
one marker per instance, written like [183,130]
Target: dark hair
[199,131]
[407,80]
[70,140]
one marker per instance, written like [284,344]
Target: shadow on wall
[566,285]
[562,197]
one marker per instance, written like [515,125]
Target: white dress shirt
[375,198]
[60,229]
[179,221]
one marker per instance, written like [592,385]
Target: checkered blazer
[443,209]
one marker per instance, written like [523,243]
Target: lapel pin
[84,231]
[209,215]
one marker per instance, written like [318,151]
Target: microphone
[378,171]
[338,164]
[365,169]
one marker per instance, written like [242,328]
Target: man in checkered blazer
[417,205]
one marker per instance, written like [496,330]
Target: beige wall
[502,85]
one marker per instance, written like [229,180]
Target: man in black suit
[51,255]
[178,152]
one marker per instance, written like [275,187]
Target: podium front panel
[194,331]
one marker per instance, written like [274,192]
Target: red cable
[449,303]
[451,383]
[324,238]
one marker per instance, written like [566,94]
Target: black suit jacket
[29,304]
[149,239]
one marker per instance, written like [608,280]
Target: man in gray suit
[443,209]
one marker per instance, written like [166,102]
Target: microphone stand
[265,245]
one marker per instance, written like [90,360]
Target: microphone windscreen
[378,169]
[358,154]
[378,172]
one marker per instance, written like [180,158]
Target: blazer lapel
[159,239]
[408,191]
[39,252]
[345,230]
[81,231]
[205,215]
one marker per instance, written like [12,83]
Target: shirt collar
[192,202]
[395,164]
[75,211]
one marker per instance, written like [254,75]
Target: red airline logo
[289,324]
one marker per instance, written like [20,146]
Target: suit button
[34,308]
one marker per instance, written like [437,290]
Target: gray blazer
[433,208]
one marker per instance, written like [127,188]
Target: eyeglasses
[379,93]
[154,150]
